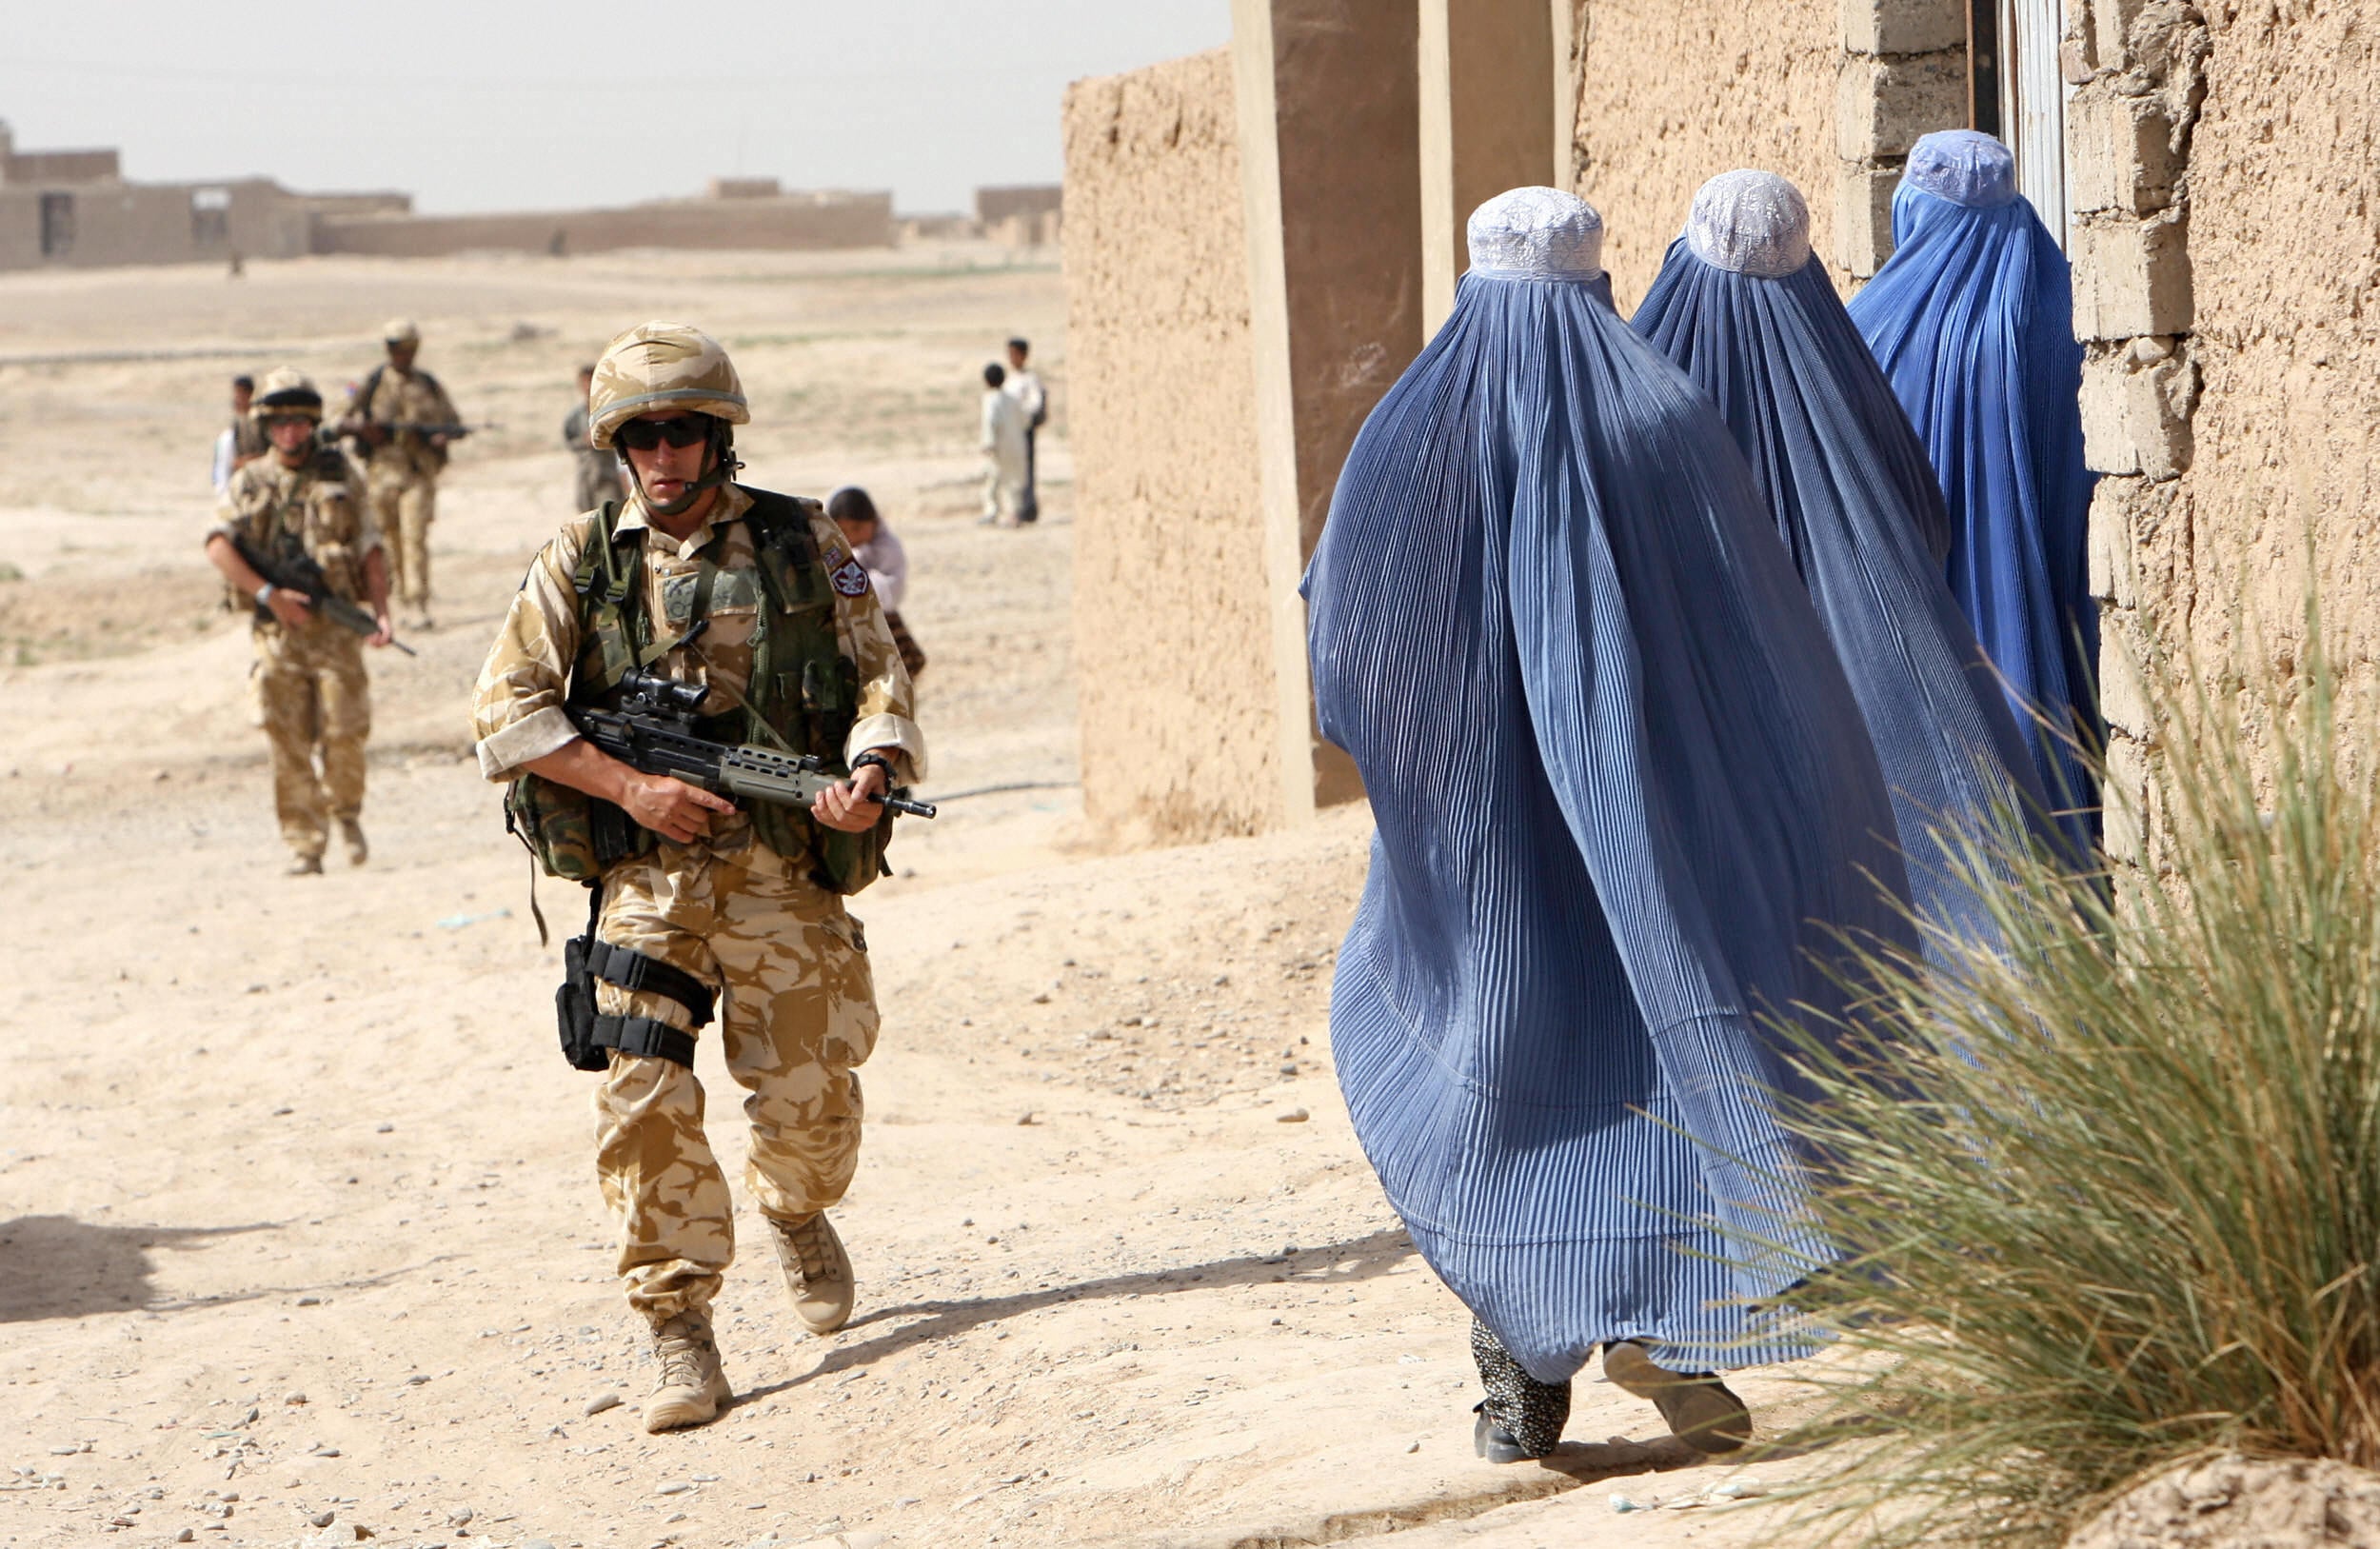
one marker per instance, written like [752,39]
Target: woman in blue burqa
[1973,318]
[1625,804]
[1746,310]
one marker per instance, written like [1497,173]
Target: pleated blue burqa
[1972,319]
[1746,310]
[1623,796]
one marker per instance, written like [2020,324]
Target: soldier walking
[405,421]
[597,474]
[310,683]
[241,441]
[757,597]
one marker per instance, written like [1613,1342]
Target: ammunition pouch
[572,835]
[588,1035]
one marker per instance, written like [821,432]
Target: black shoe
[1521,1417]
[1493,1442]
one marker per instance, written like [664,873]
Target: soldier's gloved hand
[670,808]
[847,806]
[291,607]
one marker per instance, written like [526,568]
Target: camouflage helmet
[286,390]
[400,330]
[662,365]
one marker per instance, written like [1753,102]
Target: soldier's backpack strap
[600,565]
[611,603]
[782,526]
[789,572]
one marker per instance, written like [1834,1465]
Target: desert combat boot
[817,1272]
[691,1386]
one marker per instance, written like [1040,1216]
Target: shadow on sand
[55,1266]
[1361,1259]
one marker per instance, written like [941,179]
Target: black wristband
[892,776]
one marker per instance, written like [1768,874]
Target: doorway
[57,225]
[2016,90]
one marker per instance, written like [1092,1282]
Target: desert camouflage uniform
[798,1007]
[312,693]
[405,475]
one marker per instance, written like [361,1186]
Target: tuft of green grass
[2110,1190]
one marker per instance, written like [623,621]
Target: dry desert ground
[300,1241]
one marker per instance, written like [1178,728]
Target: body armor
[802,693]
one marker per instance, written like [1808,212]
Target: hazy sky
[510,105]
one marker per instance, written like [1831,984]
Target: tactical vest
[802,689]
[293,529]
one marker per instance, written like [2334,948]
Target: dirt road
[299,1236]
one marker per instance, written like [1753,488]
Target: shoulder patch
[850,578]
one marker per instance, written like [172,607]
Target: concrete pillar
[1564,16]
[1487,95]
[1326,95]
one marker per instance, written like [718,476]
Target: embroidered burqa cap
[1623,799]
[1971,319]
[1746,310]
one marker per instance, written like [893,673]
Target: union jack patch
[850,578]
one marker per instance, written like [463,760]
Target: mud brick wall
[1671,93]
[1171,613]
[2227,289]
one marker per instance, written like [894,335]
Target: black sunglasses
[643,435]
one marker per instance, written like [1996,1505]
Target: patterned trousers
[316,705]
[404,505]
[798,1013]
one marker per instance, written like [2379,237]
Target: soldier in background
[241,441]
[1024,386]
[598,477]
[701,905]
[403,421]
[309,672]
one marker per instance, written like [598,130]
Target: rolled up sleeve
[516,707]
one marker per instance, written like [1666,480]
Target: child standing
[1003,445]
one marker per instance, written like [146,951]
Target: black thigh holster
[588,1036]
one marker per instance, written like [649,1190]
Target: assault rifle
[455,431]
[290,569]
[371,435]
[653,730]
